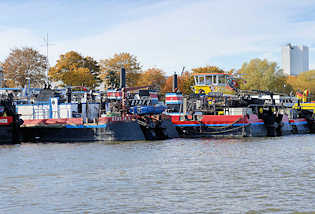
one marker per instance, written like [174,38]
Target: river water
[251,175]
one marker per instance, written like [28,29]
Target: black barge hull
[8,135]
[112,131]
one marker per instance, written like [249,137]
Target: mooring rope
[224,131]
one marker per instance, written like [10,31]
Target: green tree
[71,62]
[262,75]
[112,66]
[23,64]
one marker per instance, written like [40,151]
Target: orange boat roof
[196,74]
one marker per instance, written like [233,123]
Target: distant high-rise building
[295,59]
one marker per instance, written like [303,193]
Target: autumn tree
[305,80]
[168,86]
[79,76]
[262,75]
[93,67]
[22,65]
[184,81]
[70,65]
[207,69]
[152,76]
[111,67]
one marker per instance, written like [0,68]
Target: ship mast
[47,44]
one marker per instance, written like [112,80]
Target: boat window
[215,80]
[208,80]
[221,79]
[201,80]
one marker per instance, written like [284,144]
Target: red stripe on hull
[217,120]
[73,121]
[6,120]
[213,119]
[297,120]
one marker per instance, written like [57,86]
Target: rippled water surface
[253,175]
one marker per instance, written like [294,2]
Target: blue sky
[161,33]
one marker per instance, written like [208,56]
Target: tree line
[74,69]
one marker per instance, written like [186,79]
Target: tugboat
[9,121]
[305,108]
[210,113]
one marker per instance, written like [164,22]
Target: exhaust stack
[123,78]
[175,86]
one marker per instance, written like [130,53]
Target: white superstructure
[295,59]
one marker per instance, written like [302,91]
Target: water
[260,175]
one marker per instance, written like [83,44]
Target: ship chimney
[123,78]
[175,82]
[1,77]
[69,95]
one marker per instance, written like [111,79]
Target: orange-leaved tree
[73,63]
[153,77]
[185,81]
[207,69]
[79,76]
[305,80]
[111,67]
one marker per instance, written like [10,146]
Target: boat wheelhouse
[209,82]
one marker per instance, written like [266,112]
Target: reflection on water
[254,175]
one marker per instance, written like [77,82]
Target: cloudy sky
[167,34]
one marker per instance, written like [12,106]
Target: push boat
[9,121]
[244,114]
[305,108]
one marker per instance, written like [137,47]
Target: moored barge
[208,113]
[91,117]
[80,116]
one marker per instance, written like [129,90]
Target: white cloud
[17,38]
